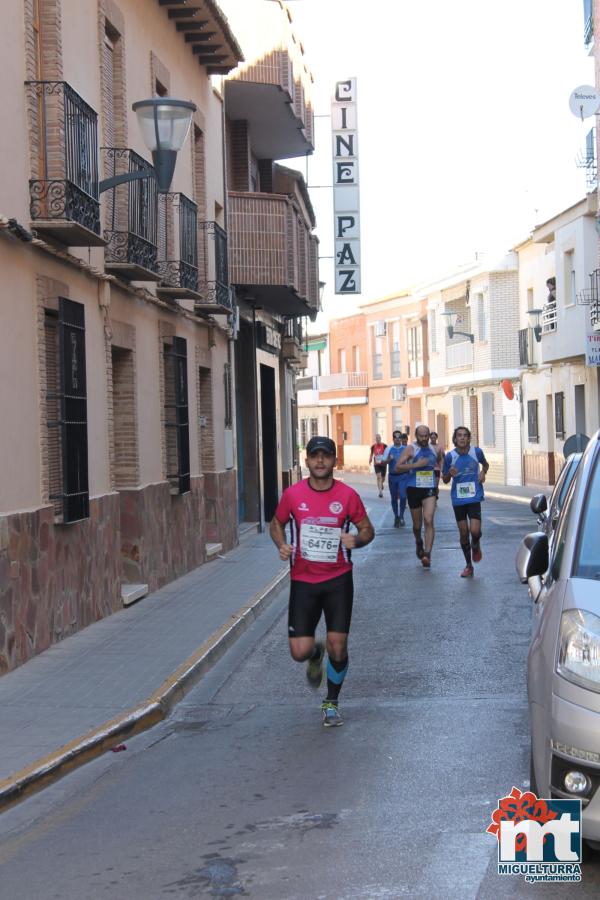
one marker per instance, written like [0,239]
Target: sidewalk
[124,674]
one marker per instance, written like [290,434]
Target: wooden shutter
[71,322]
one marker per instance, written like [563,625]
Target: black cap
[321,443]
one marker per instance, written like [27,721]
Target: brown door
[474,414]
[339,439]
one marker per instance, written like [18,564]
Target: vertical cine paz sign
[346,195]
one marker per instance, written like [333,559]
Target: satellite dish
[575,444]
[584,101]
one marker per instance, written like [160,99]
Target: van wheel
[593,845]
[532,782]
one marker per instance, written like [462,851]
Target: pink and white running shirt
[317,519]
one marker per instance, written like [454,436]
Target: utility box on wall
[228,454]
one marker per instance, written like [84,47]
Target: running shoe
[396,521]
[314,667]
[402,522]
[419,550]
[380,494]
[425,561]
[331,714]
[476,551]
[467,572]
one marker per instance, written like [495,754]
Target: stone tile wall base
[56,579]
[163,536]
[221,506]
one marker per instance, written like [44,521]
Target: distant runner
[467,467]
[376,457]
[396,482]
[320,510]
[419,460]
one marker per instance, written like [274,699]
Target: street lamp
[164,123]
[450,327]
[537,328]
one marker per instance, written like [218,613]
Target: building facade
[560,391]
[313,414]
[273,252]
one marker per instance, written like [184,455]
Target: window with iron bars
[177,415]
[66,411]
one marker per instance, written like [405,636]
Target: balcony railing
[63,189]
[178,246]
[395,364]
[131,229]
[273,251]
[342,381]
[594,299]
[377,366]
[213,286]
[549,317]
[459,355]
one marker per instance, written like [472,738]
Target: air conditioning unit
[380,328]
[399,392]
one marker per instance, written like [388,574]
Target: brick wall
[239,151]
[504,319]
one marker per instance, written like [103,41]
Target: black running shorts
[415,496]
[466,511]
[308,601]
[379,469]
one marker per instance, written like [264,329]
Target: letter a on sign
[346,190]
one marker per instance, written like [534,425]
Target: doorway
[269,440]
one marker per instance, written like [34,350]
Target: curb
[145,715]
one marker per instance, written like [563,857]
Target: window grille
[532,421]
[177,415]
[559,414]
[67,411]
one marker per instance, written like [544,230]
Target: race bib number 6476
[319,543]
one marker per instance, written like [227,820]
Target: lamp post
[450,327]
[537,328]
[164,123]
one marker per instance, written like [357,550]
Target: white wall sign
[346,195]
[592,348]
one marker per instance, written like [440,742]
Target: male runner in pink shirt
[320,510]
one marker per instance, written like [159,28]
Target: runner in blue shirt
[467,467]
[419,461]
[396,482]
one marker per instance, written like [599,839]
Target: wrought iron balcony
[594,294]
[178,246]
[131,218]
[63,188]
[213,286]
[293,344]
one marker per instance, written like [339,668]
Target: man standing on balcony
[320,510]
[419,461]
[467,467]
[376,457]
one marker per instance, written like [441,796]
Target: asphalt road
[243,793]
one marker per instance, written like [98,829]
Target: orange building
[345,390]
[397,363]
